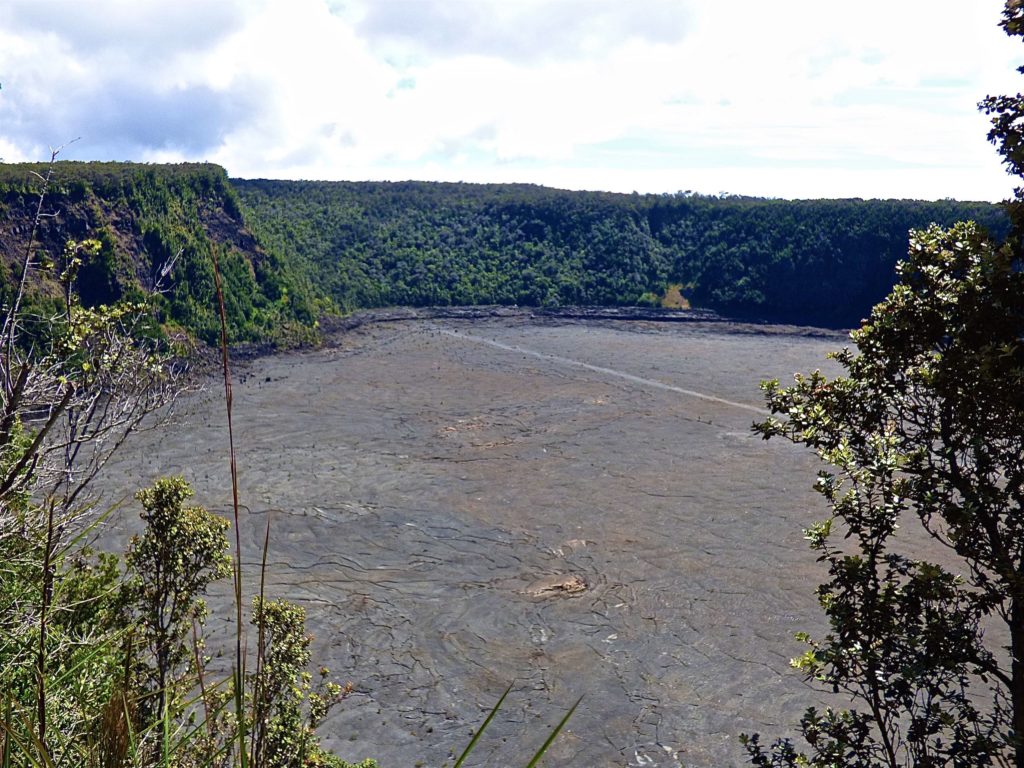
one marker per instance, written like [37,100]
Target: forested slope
[421,243]
[159,226]
[808,261]
[293,250]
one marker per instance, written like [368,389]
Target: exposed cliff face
[290,251]
[159,229]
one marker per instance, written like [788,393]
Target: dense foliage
[809,261]
[160,228]
[926,423]
[377,244]
[290,251]
[923,432]
[102,665]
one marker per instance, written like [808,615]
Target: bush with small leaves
[170,565]
[287,707]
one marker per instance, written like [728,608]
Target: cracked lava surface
[579,507]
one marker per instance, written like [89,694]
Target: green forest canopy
[424,243]
[292,250]
[160,227]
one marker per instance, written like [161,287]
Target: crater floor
[578,507]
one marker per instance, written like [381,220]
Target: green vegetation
[106,665]
[159,228]
[925,425]
[422,244]
[378,244]
[291,251]
[818,262]
[103,664]
[170,566]
[124,667]
[927,422]
[99,665]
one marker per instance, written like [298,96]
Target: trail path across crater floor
[580,508]
[601,369]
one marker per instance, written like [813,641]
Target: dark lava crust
[576,506]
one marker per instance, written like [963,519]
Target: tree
[926,423]
[75,381]
[96,666]
[180,553]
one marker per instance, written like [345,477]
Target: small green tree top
[287,706]
[180,553]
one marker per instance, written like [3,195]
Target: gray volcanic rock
[576,506]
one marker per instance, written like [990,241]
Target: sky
[788,98]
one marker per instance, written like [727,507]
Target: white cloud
[793,98]
[524,31]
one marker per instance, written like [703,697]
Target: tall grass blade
[239,630]
[239,693]
[258,705]
[197,656]
[41,756]
[134,743]
[5,758]
[46,596]
[554,733]
[476,736]
[11,740]
[166,737]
